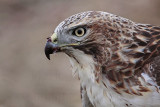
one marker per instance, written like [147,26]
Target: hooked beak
[52,46]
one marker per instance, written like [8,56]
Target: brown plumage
[117,60]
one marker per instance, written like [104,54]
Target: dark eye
[79,32]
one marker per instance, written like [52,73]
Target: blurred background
[27,77]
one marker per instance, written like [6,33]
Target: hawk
[117,60]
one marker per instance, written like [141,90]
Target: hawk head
[94,33]
[112,43]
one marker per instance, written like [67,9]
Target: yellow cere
[53,37]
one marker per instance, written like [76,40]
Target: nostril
[55,40]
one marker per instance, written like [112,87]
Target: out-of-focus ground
[27,78]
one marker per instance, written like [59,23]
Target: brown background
[27,78]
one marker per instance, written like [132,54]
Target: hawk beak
[51,46]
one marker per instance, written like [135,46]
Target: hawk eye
[79,32]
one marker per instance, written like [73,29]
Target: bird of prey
[117,60]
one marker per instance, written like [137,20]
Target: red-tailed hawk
[116,59]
